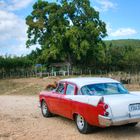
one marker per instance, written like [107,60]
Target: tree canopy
[116,56]
[72,31]
[68,30]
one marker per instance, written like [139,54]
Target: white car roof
[82,81]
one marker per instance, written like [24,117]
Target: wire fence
[19,74]
[124,77]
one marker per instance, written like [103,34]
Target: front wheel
[82,125]
[45,110]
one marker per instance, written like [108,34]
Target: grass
[8,85]
[28,86]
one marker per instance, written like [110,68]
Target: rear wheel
[45,110]
[82,125]
[132,124]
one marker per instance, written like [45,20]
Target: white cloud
[13,34]
[2,3]
[120,32]
[13,5]
[11,26]
[105,5]
[18,50]
[123,32]
[22,50]
[109,28]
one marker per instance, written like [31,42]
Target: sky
[121,18]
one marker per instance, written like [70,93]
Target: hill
[124,42]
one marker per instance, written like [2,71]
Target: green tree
[68,30]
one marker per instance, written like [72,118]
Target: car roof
[82,81]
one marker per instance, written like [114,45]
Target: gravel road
[21,119]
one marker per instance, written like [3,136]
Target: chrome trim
[107,121]
[104,121]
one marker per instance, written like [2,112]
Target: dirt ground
[21,119]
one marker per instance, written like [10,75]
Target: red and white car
[92,102]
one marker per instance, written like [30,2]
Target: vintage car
[90,102]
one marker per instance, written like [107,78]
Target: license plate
[134,107]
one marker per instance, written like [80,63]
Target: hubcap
[80,122]
[44,108]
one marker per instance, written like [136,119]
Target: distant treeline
[124,54]
[8,63]
[124,42]
[116,55]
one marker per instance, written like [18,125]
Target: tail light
[106,114]
[103,108]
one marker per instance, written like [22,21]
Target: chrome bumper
[106,121]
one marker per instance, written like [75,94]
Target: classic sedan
[90,102]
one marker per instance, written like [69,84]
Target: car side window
[85,91]
[60,88]
[70,89]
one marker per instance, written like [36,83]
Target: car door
[65,104]
[55,98]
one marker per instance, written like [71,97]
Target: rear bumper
[106,121]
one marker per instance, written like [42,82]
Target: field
[32,86]
[24,86]
[21,119]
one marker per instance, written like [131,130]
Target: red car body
[59,104]
[92,102]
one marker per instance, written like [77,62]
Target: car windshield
[104,89]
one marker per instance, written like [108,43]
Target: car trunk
[124,105]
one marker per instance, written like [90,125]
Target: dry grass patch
[24,86]
[32,86]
